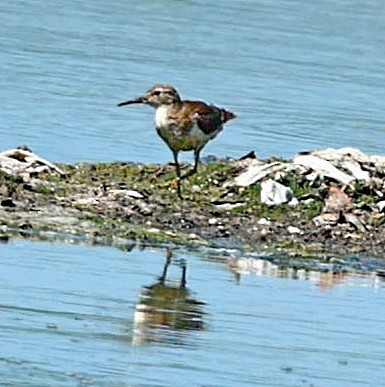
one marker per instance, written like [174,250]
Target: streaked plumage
[183,125]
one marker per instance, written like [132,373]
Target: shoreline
[326,202]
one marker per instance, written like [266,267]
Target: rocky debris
[293,230]
[381,206]
[256,171]
[347,184]
[337,201]
[274,193]
[343,166]
[24,163]
[322,168]
[326,219]
[325,201]
[348,153]
[7,202]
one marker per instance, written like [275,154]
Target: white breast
[161,117]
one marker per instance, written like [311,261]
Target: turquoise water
[299,74]
[70,317]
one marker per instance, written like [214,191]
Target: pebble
[293,230]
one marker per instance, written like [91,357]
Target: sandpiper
[183,125]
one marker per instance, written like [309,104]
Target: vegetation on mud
[117,202]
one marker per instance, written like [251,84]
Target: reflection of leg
[183,280]
[165,268]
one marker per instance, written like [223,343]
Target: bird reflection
[166,310]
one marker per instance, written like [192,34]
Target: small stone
[354,221]
[229,206]
[133,194]
[8,202]
[325,219]
[263,221]
[153,230]
[293,202]
[381,205]
[293,230]
[86,201]
[337,201]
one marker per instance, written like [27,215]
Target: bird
[167,306]
[182,124]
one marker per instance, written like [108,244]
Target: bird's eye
[157,92]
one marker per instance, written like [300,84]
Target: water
[70,316]
[299,74]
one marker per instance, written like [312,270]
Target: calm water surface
[299,74]
[74,315]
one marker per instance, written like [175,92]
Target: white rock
[134,194]
[153,230]
[274,193]
[338,154]
[128,193]
[325,219]
[293,202]
[229,206]
[263,221]
[257,171]
[381,205]
[293,230]
[323,166]
[354,168]
[19,160]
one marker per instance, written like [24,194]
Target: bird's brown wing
[208,117]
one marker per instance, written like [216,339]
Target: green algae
[128,201]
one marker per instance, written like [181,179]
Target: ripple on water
[77,314]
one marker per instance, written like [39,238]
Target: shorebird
[183,125]
[167,306]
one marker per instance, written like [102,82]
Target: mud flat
[321,202]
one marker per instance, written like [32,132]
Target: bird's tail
[226,115]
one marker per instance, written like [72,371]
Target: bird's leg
[183,279]
[196,161]
[194,169]
[177,168]
[162,278]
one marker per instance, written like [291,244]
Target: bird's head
[157,95]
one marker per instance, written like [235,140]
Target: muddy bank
[327,202]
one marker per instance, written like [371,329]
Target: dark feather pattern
[208,117]
[183,125]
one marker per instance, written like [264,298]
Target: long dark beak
[132,101]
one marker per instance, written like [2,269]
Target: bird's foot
[175,184]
